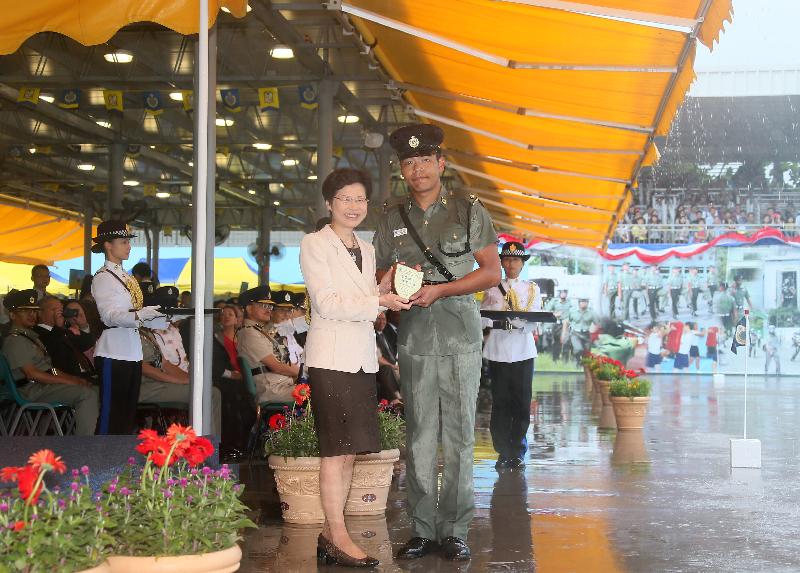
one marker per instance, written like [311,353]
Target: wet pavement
[664,499]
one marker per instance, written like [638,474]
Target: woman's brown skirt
[345,407]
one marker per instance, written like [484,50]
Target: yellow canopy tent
[95,21]
[229,274]
[33,237]
[549,107]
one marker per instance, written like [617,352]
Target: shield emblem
[741,335]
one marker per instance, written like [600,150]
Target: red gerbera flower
[160,452]
[26,481]
[19,526]
[383,404]
[277,422]
[182,435]
[147,437]
[10,473]
[47,460]
[301,393]
[200,449]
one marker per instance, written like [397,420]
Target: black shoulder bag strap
[425,250]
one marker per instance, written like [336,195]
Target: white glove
[486,322]
[149,313]
[518,323]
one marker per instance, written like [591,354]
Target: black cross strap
[425,250]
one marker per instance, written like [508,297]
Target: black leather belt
[259,370]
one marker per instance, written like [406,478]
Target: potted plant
[175,514]
[293,450]
[630,396]
[372,473]
[53,530]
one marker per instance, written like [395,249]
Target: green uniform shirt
[560,308]
[580,320]
[611,282]
[626,280]
[711,277]
[722,303]
[694,281]
[653,280]
[451,325]
[637,281]
[22,346]
[739,295]
[675,281]
[151,354]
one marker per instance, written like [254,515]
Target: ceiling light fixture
[281,52]
[32,150]
[176,96]
[228,10]
[251,191]
[47,98]
[130,182]
[86,166]
[223,122]
[276,203]
[103,123]
[289,162]
[163,195]
[348,118]
[312,177]
[119,57]
[263,146]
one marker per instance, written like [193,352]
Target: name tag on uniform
[400,232]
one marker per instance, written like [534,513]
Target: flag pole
[746,358]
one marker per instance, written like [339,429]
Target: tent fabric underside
[552,147]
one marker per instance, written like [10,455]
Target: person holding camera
[65,349]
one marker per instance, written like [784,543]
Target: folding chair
[35,418]
[262,409]
[155,410]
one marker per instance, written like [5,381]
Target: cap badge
[288,297]
[413,142]
[32,300]
[512,248]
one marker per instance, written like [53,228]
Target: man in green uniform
[610,288]
[723,306]
[32,367]
[626,289]
[580,323]
[638,291]
[740,296]
[653,283]
[712,278]
[560,307]
[439,339]
[675,284]
[693,284]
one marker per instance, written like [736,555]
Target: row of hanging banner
[268,98]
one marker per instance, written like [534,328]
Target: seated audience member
[40,277]
[299,318]
[77,324]
[33,371]
[66,350]
[388,366]
[272,373]
[282,321]
[238,406]
[163,380]
[142,273]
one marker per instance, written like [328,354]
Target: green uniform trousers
[160,392]
[83,400]
[429,383]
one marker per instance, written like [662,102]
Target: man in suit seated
[32,368]
[66,349]
[388,367]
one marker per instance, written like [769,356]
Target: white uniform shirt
[170,344]
[654,343]
[687,339]
[114,304]
[518,344]
[287,329]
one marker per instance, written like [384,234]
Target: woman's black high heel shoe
[332,555]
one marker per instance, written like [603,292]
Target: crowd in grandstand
[697,217]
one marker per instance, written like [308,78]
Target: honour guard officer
[511,354]
[675,284]
[439,338]
[580,323]
[268,358]
[32,367]
[638,288]
[712,278]
[693,284]
[740,296]
[118,353]
[560,307]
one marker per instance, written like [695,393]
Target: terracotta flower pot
[104,567]
[225,561]
[629,448]
[297,480]
[630,412]
[372,477]
[607,420]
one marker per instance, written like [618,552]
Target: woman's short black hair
[339,178]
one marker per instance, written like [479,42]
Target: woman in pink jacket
[340,352]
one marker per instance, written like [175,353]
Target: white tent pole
[746,357]
[199,235]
